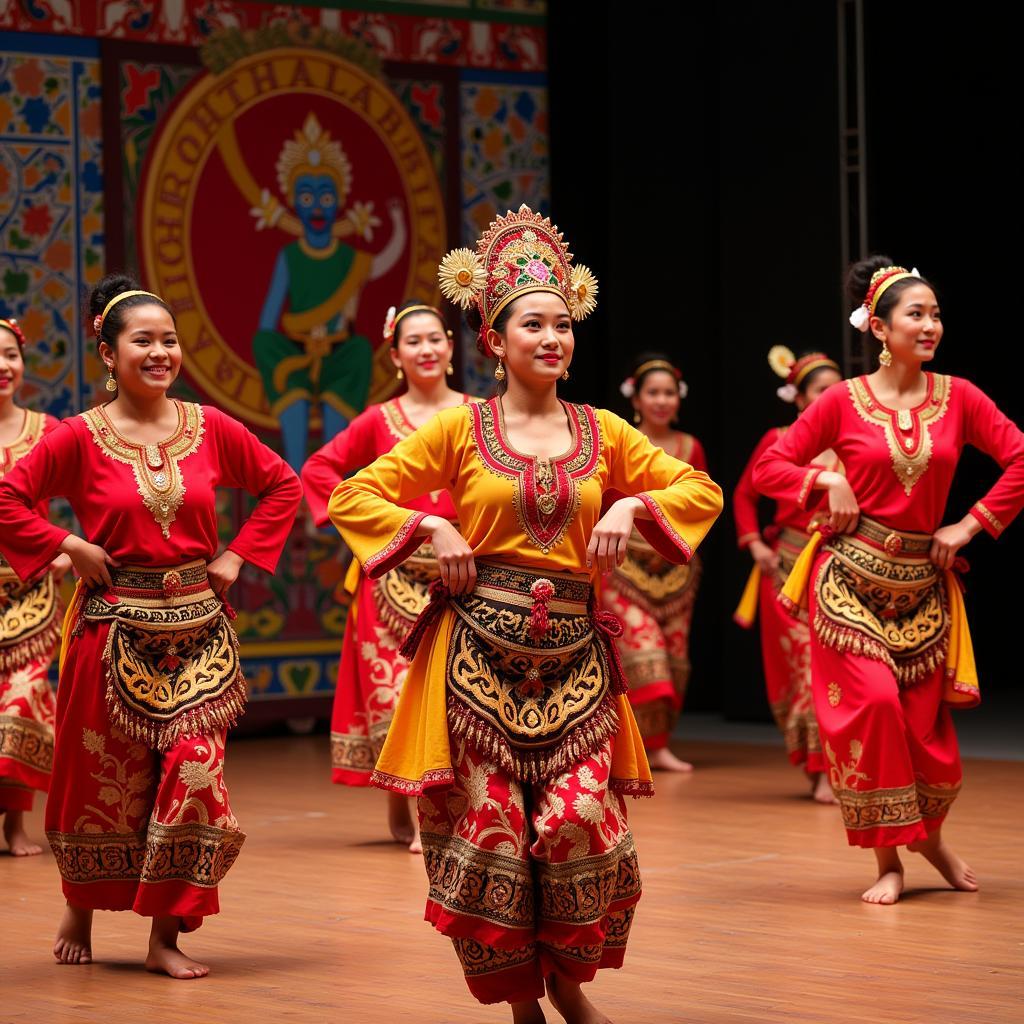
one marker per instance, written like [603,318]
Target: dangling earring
[499,372]
[111,384]
[565,376]
[451,370]
[636,418]
[885,356]
[399,375]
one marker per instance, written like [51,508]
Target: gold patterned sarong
[29,618]
[534,694]
[660,587]
[171,656]
[879,596]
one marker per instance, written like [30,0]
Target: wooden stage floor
[750,914]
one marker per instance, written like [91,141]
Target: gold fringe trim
[44,642]
[534,765]
[399,625]
[908,671]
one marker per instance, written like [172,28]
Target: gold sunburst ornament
[462,277]
[781,360]
[582,292]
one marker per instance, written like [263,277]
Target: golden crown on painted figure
[518,253]
[313,151]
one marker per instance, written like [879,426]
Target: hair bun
[859,274]
[111,286]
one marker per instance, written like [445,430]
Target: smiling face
[423,350]
[147,357]
[914,329]
[538,342]
[12,366]
[657,399]
[316,204]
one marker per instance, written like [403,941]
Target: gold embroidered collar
[31,432]
[546,495]
[906,430]
[395,419]
[156,466]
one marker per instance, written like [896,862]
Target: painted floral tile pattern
[51,219]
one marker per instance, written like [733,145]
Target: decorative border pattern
[396,549]
[912,454]
[155,466]
[545,526]
[510,40]
[982,513]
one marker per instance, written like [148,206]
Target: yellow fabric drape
[352,576]
[70,618]
[746,611]
[961,673]
[794,593]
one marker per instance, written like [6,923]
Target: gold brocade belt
[880,596]
[532,673]
[171,656]
[29,619]
[647,579]
[402,593]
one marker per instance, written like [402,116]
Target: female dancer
[890,648]
[785,639]
[513,728]
[138,814]
[29,625]
[653,597]
[383,611]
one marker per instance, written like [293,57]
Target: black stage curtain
[695,169]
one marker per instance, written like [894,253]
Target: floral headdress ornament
[628,387]
[518,253]
[15,328]
[793,371]
[880,281]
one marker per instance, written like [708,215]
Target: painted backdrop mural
[281,195]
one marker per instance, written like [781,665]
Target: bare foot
[164,957]
[664,760]
[400,820]
[886,890]
[821,790]
[568,999]
[74,936]
[528,1012]
[17,838]
[953,869]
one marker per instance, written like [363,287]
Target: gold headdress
[518,253]
[313,151]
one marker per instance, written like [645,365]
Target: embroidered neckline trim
[156,467]
[906,430]
[546,494]
[31,431]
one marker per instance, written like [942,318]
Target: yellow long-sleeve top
[520,510]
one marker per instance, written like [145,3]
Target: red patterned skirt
[786,655]
[655,600]
[138,815]
[371,671]
[29,633]
[880,628]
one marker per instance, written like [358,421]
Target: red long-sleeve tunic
[147,505]
[900,463]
